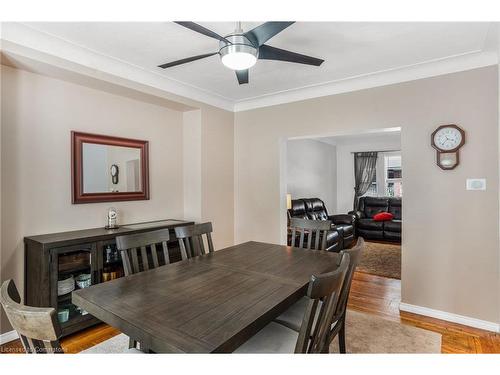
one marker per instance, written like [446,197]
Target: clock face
[448,138]
[114,170]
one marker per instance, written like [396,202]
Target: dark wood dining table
[211,303]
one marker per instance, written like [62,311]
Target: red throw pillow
[383,216]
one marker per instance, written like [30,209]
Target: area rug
[117,345]
[365,333]
[368,333]
[382,259]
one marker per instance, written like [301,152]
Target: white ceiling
[350,49]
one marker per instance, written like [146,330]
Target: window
[388,178]
[373,189]
[393,175]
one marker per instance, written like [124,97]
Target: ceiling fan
[240,50]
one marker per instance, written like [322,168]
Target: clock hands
[448,140]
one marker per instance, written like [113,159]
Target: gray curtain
[364,170]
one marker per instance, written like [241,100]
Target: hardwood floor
[369,293]
[381,296]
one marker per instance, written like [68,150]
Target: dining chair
[291,318]
[140,252]
[306,231]
[323,295]
[37,327]
[191,239]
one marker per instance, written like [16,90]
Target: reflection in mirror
[109,168]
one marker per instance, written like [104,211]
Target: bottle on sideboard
[111,269]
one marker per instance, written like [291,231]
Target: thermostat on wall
[476,184]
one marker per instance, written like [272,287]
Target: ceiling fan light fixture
[239,60]
[240,54]
[240,50]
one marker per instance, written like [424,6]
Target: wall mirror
[108,169]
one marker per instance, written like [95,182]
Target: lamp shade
[288,201]
[239,60]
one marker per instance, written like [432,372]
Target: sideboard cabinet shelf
[60,258]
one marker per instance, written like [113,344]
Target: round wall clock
[447,140]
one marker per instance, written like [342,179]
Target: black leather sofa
[378,230]
[342,234]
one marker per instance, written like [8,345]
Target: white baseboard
[450,317]
[8,336]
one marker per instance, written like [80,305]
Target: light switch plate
[476,184]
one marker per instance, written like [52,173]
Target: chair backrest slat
[135,259]
[201,245]
[143,245]
[127,267]
[315,230]
[191,239]
[166,255]
[306,327]
[209,240]
[355,254]
[154,256]
[309,239]
[37,327]
[184,253]
[189,250]
[144,258]
[323,240]
[316,239]
[293,236]
[323,291]
[337,319]
[301,242]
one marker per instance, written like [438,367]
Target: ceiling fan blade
[202,30]
[272,53]
[186,60]
[242,76]
[261,34]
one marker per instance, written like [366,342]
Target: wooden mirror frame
[77,194]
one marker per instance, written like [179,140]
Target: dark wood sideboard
[50,258]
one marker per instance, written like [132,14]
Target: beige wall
[311,171]
[217,173]
[192,164]
[450,235]
[209,171]
[38,113]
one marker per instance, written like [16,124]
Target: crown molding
[452,64]
[40,46]
[33,43]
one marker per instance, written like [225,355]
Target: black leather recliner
[378,230]
[342,234]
